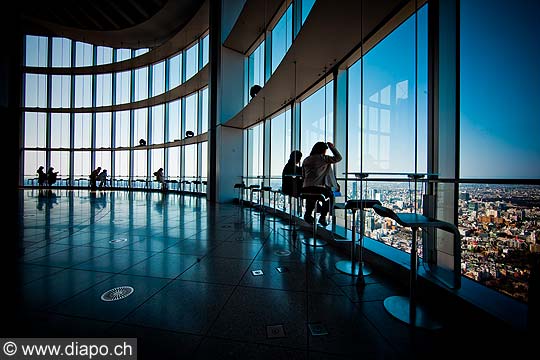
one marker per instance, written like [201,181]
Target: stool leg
[314,242]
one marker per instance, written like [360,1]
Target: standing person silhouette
[94,175]
[42,176]
[319,177]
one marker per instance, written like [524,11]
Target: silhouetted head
[319,148]
[295,156]
[41,168]
[254,90]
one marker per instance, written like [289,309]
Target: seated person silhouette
[291,176]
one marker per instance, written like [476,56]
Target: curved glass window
[141,84]
[123,87]
[175,70]
[254,70]
[316,118]
[36,51]
[61,52]
[192,61]
[282,36]
[35,130]
[61,91]
[84,54]
[36,90]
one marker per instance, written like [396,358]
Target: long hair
[295,156]
[319,148]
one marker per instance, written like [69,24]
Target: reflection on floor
[210,281]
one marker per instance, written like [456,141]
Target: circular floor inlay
[118,293]
[283,253]
[119,240]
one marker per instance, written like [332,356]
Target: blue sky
[500,89]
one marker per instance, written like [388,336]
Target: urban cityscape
[499,227]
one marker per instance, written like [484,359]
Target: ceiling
[116,23]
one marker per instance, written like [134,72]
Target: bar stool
[197,183]
[205,184]
[252,189]
[274,209]
[402,307]
[351,267]
[184,183]
[318,198]
[241,188]
[261,203]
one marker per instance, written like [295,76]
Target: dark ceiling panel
[117,23]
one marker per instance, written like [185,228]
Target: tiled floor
[191,264]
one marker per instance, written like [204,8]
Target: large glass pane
[121,164]
[103,159]
[139,164]
[60,127]
[82,131]
[35,130]
[123,54]
[32,161]
[204,160]
[158,124]
[36,51]
[122,131]
[104,90]
[192,61]
[280,146]
[255,151]
[205,49]
[175,71]
[191,113]
[35,90]
[422,90]
[388,143]
[60,163]
[282,37]
[255,70]
[141,84]
[173,162]
[494,252]
[354,130]
[316,118]
[60,91]
[173,123]
[306,8]
[499,88]
[83,54]
[141,51]
[158,78]
[123,87]
[103,130]
[61,52]
[81,165]
[83,91]
[190,161]
[157,160]
[104,55]
[140,125]
[204,111]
